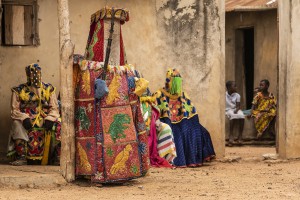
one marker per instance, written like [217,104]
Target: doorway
[244,64]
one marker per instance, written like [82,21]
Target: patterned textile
[165,143]
[110,132]
[155,159]
[147,114]
[42,145]
[97,39]
[36,106]
[85,118]
[35,101]
[95,43]
[106,13]
[36,144]
[85,155]
[264,111]
[111,138]
[192,140]
[174,107]
[33,73]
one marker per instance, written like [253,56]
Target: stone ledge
[30,176]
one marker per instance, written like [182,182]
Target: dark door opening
[249,64]
[244,68]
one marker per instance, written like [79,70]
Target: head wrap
[34,75]
[173,82]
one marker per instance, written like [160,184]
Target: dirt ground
[248,178]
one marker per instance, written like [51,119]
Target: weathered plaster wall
[289,79]
[265,44]
[187,34]
[192,34]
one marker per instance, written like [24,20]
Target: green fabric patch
[176,85]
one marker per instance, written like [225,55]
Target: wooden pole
[66,49]
[1,11]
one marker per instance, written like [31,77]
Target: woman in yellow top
[263,108]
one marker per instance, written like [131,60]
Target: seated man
[233,111]
[263,108]
[35,115]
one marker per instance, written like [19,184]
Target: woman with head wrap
[192,140]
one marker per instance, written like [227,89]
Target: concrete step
[30,176]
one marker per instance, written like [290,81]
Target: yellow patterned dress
[264,111]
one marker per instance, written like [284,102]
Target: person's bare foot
[230,143]
[259,135]
[240,142]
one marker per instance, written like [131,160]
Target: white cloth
[231,115]
[231,101]
[17,131]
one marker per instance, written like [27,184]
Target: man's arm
[238,107]
[15,108]
[53,110]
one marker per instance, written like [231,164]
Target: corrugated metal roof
[250,5]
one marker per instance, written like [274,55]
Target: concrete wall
[192,39]
[265,45]
[289,79]
[187,34]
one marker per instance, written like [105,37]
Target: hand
[27,124]
[48,125]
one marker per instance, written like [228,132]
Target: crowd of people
[175,136]
[121,128]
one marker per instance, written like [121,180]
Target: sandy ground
[248,179]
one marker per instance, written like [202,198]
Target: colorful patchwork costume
[111,139]
[35,131]
[192,140]
[160,140]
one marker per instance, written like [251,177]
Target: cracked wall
[289,79]
[192,40]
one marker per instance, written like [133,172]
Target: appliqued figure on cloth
[35,131]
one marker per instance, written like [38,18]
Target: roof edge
[251,8]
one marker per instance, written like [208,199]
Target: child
[233,111]
[264,109]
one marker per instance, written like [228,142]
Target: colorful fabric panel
[165,144]
[174,107]
[35,145]
[86,156]
[85,118]
[122,161]
[264,111]
[118,125]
